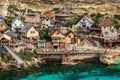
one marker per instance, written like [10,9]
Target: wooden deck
[69,52]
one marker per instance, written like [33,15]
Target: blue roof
[1,19]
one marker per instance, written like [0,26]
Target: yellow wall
[68,39]
[29,34]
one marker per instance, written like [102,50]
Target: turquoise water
[54,71]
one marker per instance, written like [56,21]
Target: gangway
[19,61]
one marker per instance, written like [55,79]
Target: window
[69,36]
[58,33]
[32,32]
[46,19]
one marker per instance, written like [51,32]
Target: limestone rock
[107,61]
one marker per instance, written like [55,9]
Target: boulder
[107,61]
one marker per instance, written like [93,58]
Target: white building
[18,25]
[47,23]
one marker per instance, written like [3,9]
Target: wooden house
[47,23]
[32,19]
[108,31]
[85,22]
[58,40]
[63,16]
[18,25]
[9,37]
[69,40]
[107,28]
[31,33]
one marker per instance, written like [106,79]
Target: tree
[45,34]
[95,18]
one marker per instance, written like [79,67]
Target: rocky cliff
[75,6]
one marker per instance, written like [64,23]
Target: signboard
[41,45]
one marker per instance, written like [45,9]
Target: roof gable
[57,33]
[84,20]
[31,29]
[18,23]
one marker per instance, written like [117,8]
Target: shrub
[26,55]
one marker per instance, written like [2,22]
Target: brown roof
[12,34]
[32,18]
[105,22]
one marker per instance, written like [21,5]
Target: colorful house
[58,40]
[85,22]
[31,33]
[18,25]
[48,19]
[47,23]
[69,40]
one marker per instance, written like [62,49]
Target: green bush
[95,18]
[26,55]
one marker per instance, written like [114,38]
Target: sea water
[55,71]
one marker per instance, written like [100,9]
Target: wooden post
[110,44]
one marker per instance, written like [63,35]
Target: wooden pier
[69,52]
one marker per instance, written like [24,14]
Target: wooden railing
[71,52]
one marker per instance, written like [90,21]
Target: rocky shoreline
[76,59]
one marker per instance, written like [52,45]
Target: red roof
[49,14]
[32,18]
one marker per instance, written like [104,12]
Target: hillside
[75,6]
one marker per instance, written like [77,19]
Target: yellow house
[32,33]
[70,41]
